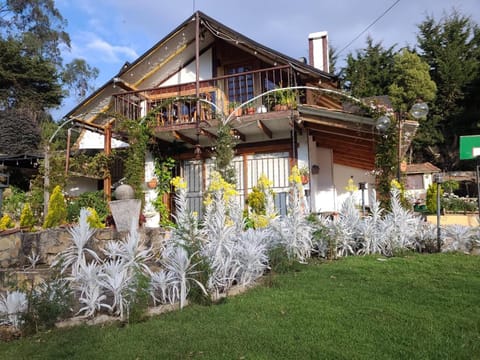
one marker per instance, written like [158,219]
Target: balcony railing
[179,104]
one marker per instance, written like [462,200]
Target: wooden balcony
[184,106]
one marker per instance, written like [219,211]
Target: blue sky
[107,33]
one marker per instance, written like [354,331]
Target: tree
[369,73]
[26,82]
[33,33]
[451,47]
[411,82]
[19,134]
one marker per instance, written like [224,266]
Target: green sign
[469,147]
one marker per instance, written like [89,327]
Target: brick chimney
[318,50]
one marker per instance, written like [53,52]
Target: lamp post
[438,179]
[417,111]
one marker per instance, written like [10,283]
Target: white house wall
[92,140]
[152,217]
[342,174]
[78,185]
[322,189]
[187,74]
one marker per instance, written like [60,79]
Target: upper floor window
[241,87]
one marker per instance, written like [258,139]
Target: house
[418,178]
[195,77]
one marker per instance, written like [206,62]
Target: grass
[411,307]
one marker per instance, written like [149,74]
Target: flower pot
[152,183]
[305,179]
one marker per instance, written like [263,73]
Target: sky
[107,33]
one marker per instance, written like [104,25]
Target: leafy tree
[411,82]
[32,72]
[37,24]
[451,47]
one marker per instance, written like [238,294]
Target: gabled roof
[423,168]
[174,51]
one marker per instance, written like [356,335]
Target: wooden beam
[264,128]
[333,130]
[239,134]
[339,141]
[179,136]
[208,134]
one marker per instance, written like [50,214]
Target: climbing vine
[163,172]
[224,153]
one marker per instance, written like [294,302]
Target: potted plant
[232,106]
[304,175]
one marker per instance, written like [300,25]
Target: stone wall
[16,245]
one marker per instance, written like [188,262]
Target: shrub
[13,200]
[6,222]
[93,219]
[47,303]
[432,198]
[89,199]
[57,209]
[27,219]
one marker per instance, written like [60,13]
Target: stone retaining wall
[16,245]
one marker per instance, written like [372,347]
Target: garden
[204,259]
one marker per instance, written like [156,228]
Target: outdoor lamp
[382,124]
[438,179]
[419,110]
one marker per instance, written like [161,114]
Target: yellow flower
[351,187]
[264,182]
[178,183]
[217,183]
[295,176]
[395,184]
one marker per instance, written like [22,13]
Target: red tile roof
[424,168]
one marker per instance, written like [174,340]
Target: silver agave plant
[74,255]
[12,305]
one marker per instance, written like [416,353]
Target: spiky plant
[218,232]
[293,232]
[398,226]
[251,252]
[460,237]
[162,287]
[117,280]
[74,255]
[369,228]
[345,230]
[12,305]
[177,261]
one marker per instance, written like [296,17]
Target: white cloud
[110,53]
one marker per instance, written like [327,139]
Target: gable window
[240,88]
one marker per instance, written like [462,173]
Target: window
[240,88]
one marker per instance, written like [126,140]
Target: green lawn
[413,307]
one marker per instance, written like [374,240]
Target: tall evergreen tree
[451,46]
[33,77]
[369,72]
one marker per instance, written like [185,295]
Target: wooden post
[107,181]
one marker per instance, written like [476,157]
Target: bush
[94,220]
[6,222]
[90,199]
[47,303]
[57,209]
[13,200]
[27,220]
